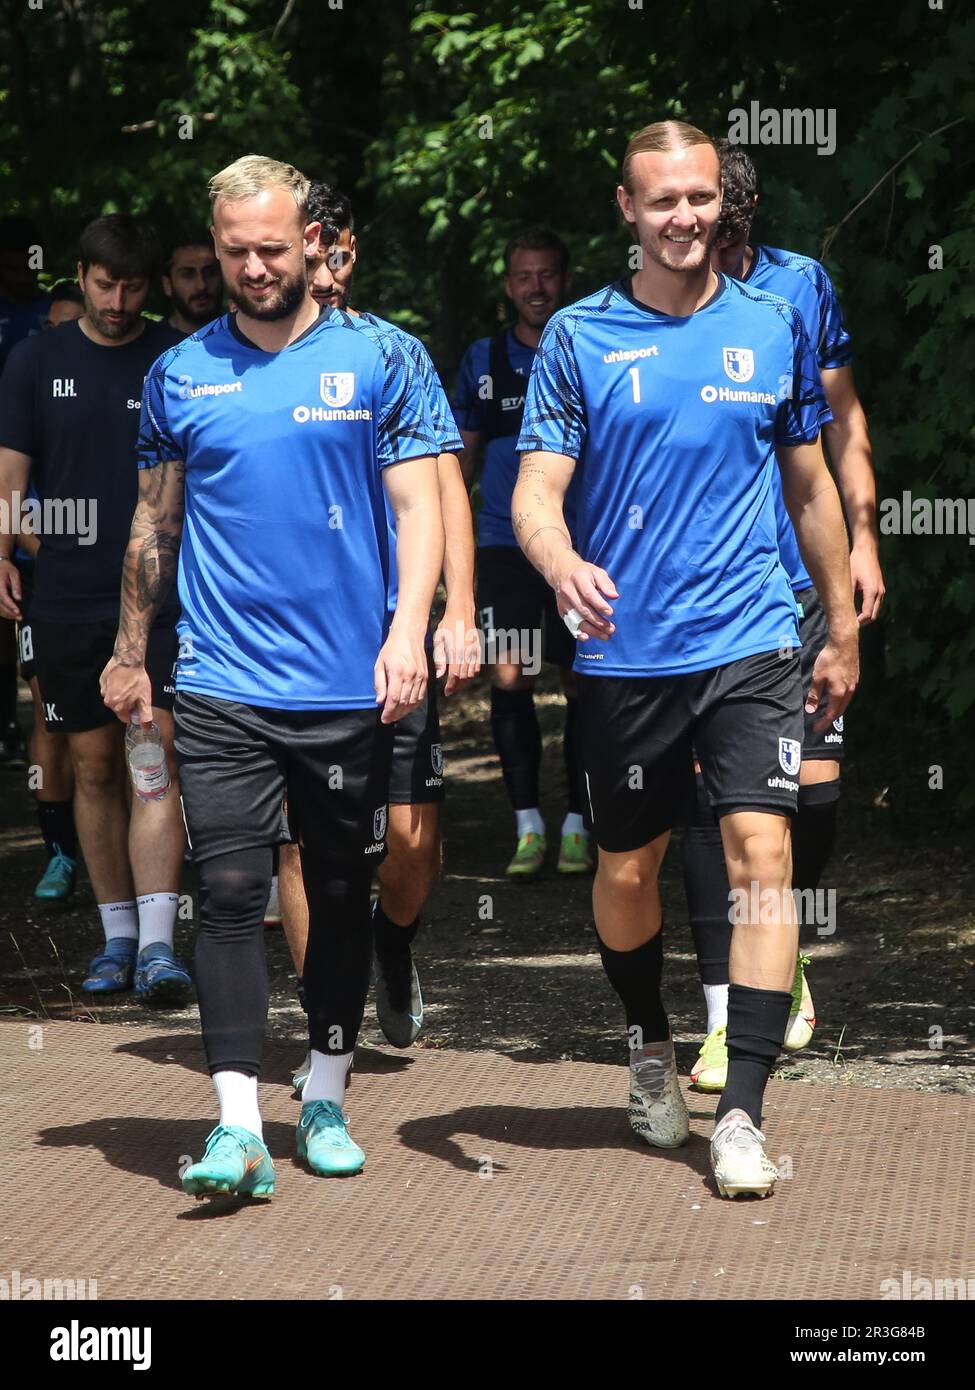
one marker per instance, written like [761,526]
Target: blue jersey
[284,561]
[448,440]
[673,423]
[804,283]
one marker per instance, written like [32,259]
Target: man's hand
[457,647]
[127,688]
[836,671]
[400,675]
[10,590]
[868,581]
[585,588]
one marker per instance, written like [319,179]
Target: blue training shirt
[806,284]
[445,427]
[674,423]
[284,561]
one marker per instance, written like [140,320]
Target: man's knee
[630,875]
[758,848]
[97,760]
[413,846]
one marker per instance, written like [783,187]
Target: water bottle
[146,757]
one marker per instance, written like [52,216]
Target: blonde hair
[252,174]
[659,137]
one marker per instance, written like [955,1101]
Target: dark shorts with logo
[813,631]
[638,736]
[239,762]
[25,641]
[417,772]
[512,597]
[69,659]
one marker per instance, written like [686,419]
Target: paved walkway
[487,1177]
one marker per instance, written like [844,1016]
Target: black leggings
[231,970]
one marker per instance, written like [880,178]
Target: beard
[105,326]
[662,254]
[284,299]
[198,313]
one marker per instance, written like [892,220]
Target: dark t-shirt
[74,407]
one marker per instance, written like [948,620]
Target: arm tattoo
[152,556]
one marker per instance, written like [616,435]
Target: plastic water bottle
[146,757]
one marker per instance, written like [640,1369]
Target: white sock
[326,1080]
[716,998]
[530,822]
[119,919]
[574,824]
[157,918]
[237,1095]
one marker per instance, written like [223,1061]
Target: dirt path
[514,967]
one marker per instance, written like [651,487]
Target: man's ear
[624,202]
[81,277]
[312,243]
[353,250]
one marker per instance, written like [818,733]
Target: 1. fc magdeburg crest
[739,363]
[337,388]
[790,755]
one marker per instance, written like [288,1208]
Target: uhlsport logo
[739,363]
[379,823]
[337,388]
[790,755]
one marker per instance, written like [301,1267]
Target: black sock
[573,764]
[390,938]
[814,833]
[707,891]
[301,995]
[8,694]
[56,820]
[757,1020]
[518,740]
[636,975]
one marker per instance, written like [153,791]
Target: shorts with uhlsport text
[638,736]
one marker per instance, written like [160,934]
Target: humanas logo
[336,390]
[728,393]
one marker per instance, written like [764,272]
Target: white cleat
[740,1164]
[658,1112]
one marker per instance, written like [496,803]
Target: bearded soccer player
[269,442]
[411,867]
[674,394]
[192,282]
[806,284]
[512,600]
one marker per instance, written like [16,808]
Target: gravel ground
[513,967]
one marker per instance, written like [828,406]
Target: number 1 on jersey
[635,381]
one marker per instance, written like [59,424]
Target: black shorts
[517,609]
[69,660]
[238,763]
[637,734]
[417,771]
[813,632]
[25,639]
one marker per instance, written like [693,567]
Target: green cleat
[236,1163]
[710,1071]
[575,855]
[324,1142]
[529,857]
[802,1015]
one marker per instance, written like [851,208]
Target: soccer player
[673,394]
[23,306]
[806,284]
[69,403]
[192,282]
[410,870]
[513,602]
[67,304]
[267,442]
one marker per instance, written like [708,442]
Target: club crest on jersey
[790,755]
[337,388]
[379,823]
[436,758]
[739,363]
[838,724]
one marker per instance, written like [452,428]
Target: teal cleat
[324,1142]
[112,972]
[58,879]
[236,1163]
